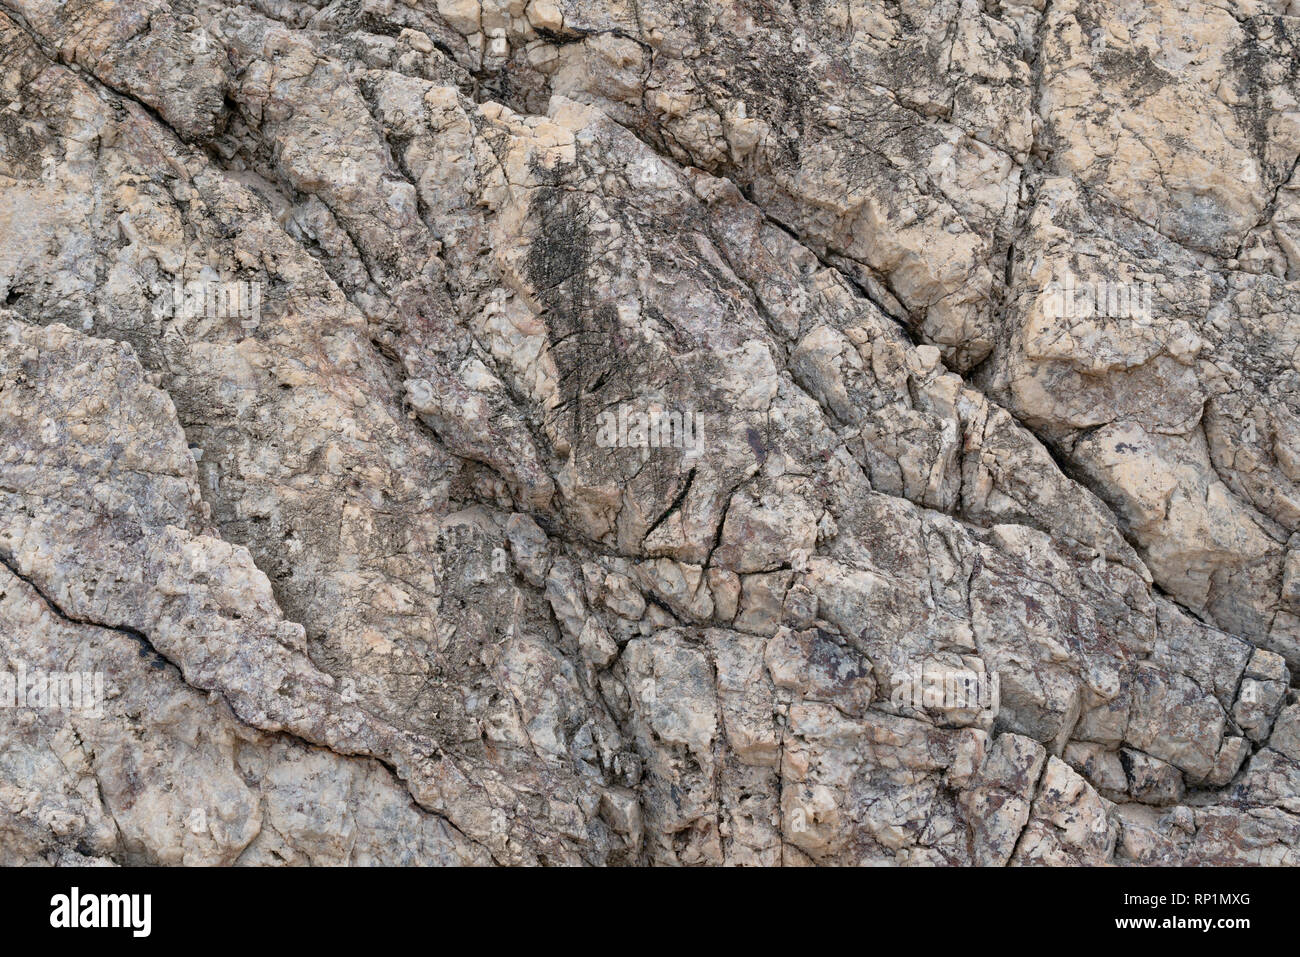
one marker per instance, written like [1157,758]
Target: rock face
[560,432]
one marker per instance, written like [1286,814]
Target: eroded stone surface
[329,342]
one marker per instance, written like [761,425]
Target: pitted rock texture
[560,432]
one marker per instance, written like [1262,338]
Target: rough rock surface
[329,338]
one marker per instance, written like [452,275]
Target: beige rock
[528,431]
